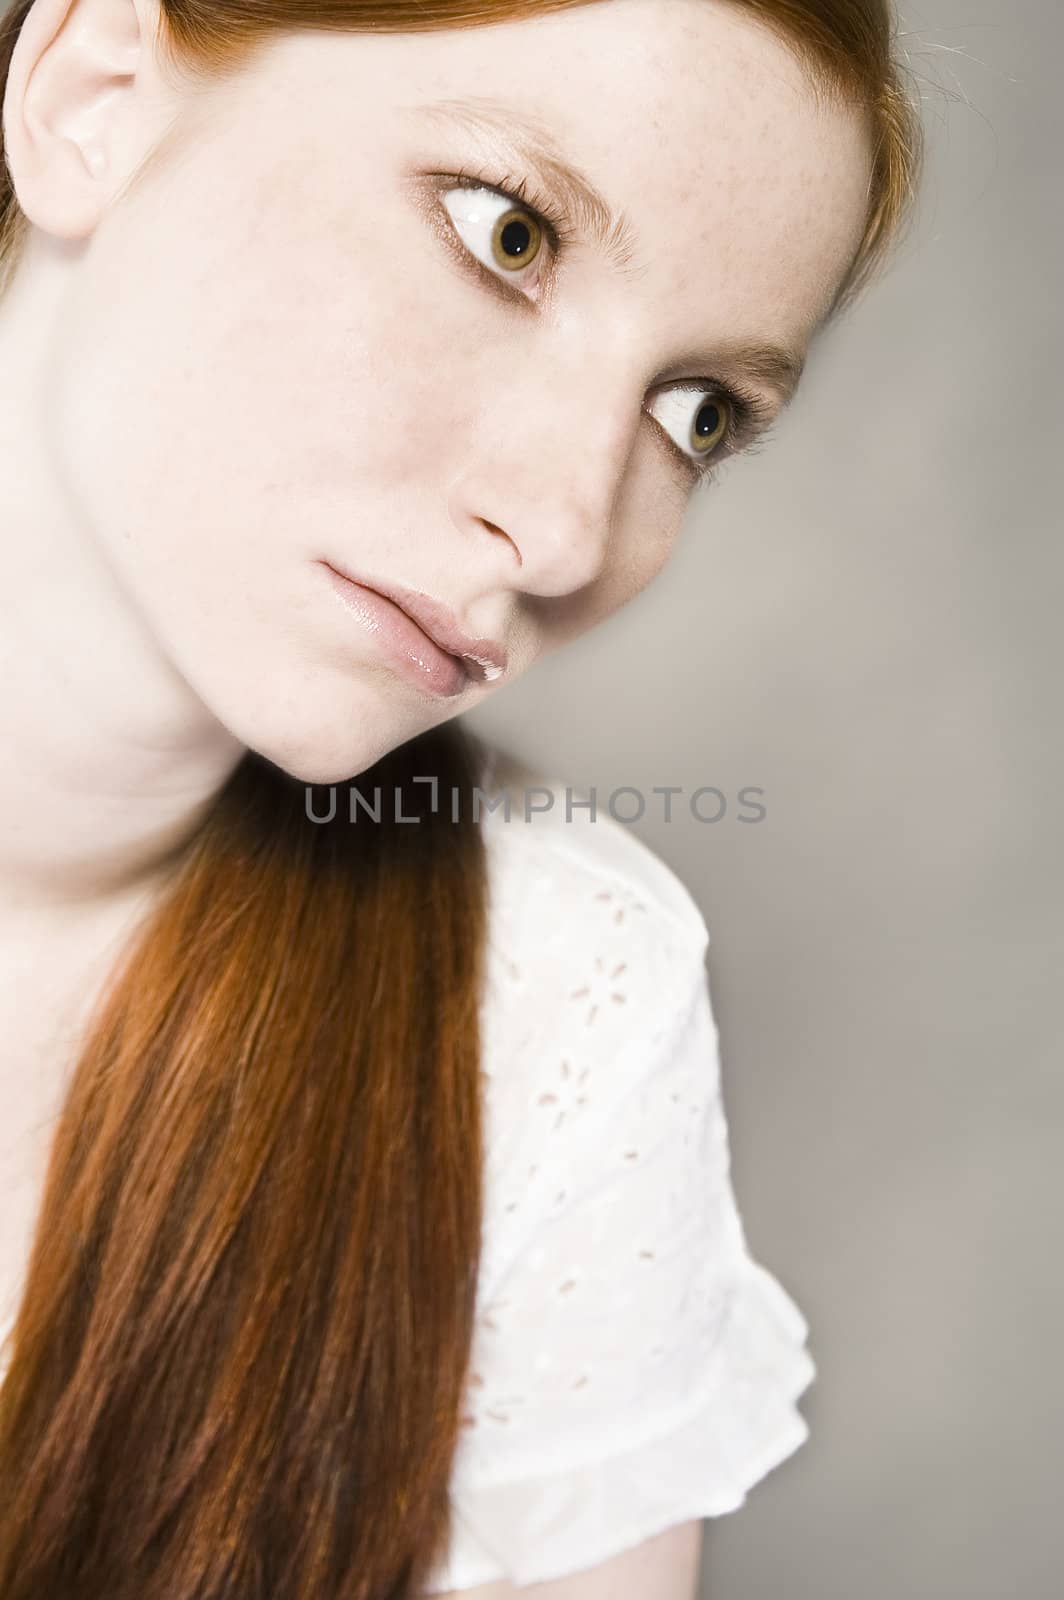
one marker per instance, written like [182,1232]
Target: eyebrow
[777,366]
[530,142]
[533,143]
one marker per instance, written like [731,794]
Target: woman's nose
[550,493]
[558,547]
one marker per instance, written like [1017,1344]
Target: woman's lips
[400,620]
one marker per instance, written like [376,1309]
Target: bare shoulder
[666,1567]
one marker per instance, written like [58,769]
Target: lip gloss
[410,650]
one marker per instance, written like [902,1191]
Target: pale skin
[270,346]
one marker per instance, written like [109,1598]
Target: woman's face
[296,339]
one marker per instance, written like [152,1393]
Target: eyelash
[752,416]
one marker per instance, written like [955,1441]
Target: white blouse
[632,1366]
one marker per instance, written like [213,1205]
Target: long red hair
[240,1354]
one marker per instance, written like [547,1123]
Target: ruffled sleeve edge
[742,1425]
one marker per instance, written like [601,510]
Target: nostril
[493,527]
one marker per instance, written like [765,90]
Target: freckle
[570,1283]
[579,1384]
[631,1155]
[547,1100]
[646,1255]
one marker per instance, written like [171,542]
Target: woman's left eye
[698,420]
[504,234]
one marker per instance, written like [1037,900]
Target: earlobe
[72,129]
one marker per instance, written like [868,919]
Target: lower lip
[415,655]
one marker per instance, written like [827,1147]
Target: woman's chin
[324,757]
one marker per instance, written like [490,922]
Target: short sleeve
[634,1367]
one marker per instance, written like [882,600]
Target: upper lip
[483,659]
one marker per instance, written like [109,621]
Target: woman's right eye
[500,231]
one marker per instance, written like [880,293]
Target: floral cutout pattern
[613,1247]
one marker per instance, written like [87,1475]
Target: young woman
[367,1228]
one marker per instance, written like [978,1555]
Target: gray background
[863,622]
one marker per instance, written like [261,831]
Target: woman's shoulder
[557,850]
[594,979]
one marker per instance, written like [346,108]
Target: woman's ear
[82,108]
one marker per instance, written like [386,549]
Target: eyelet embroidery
[578,971]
